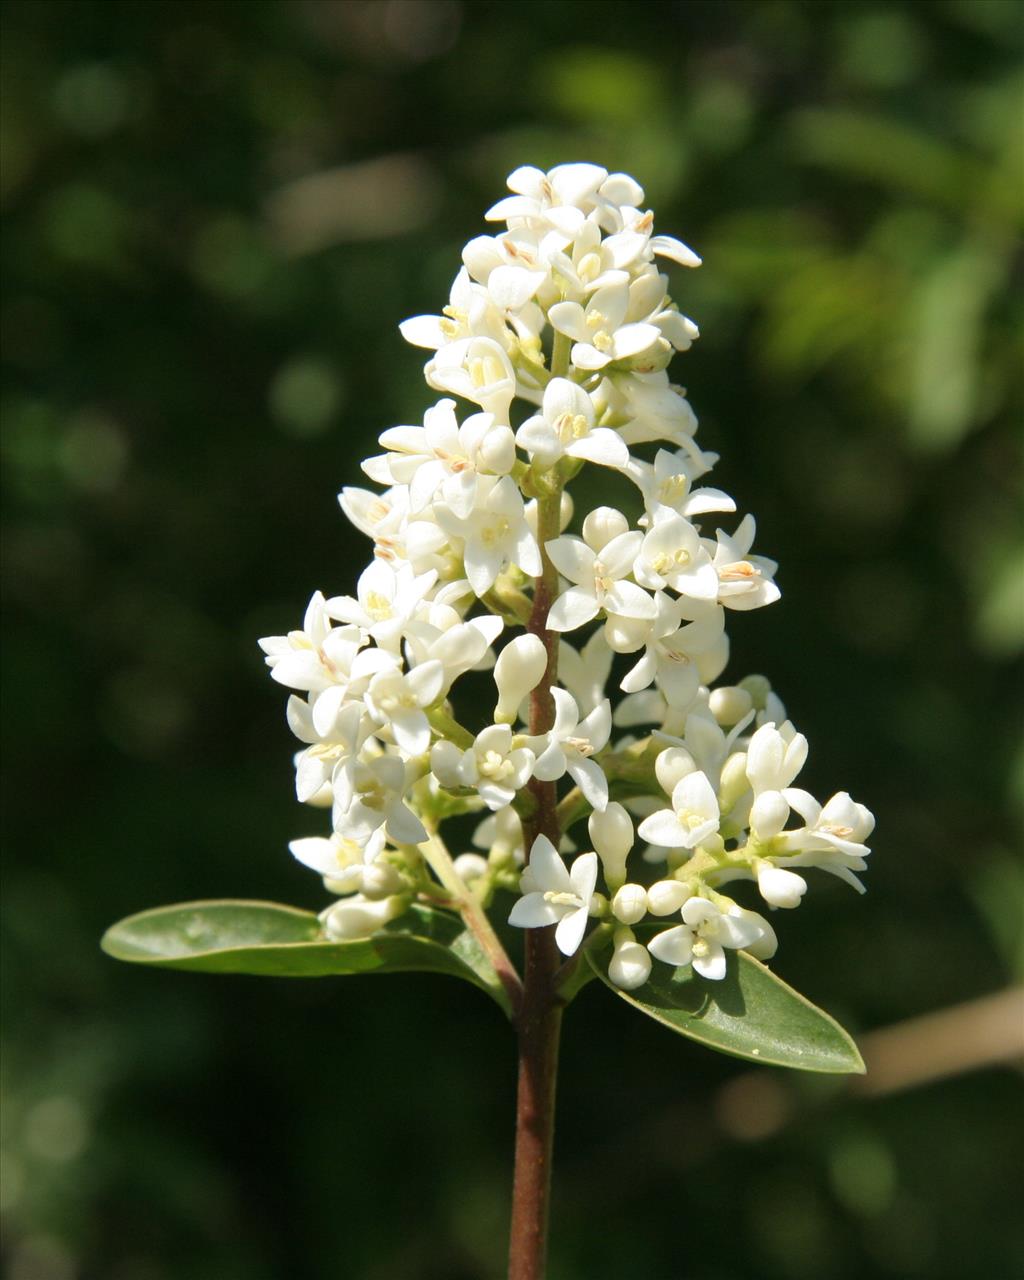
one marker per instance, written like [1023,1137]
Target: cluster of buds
[558,334]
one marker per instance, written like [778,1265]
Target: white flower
[569,744]
[495,534]
[328,754]
[672,555]
[470,313]
[442,456]
[666,486]
[703,936]
[745,581]
[396,701]
[372,796]
[478,369]
[599,581]
[565,427]
[554,895]
[833,837]
[672,653]
[599,332]
[493,766]
[316,656]
[388,597]
[559,198]
[340,861]
[693,818]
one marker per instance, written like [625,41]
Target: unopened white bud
[498,450]
[769,815]
[471,866]
[666,897]
[630,903]
[612,836]
[519,669]
[730,704]
[358,917]
[759,687]
[630,965]
[734,780]
[380,880]
[603,524]
[778,887]
[671,765]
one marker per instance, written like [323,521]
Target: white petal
[603,446]
[712,965]
[533,912]
[674,946]
[664,828]
[570,931]
[589,777]
[574,608]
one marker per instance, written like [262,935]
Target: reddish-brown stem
[540,1016]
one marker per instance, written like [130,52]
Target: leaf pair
[750,1013]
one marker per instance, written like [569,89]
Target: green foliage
[751,1013]
[283,942]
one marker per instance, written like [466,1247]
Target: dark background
[217,213]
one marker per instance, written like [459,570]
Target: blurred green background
[217,213]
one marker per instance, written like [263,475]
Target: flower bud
[672,764]
[730,704]
[358,917]
[734,782]
[666,897]
[630,903]
[759,687]
[612,835]
[519,669]
[380,880]
[630,965]
[498,450]
[769,815]
[778,887]
[603,524]
[471,866]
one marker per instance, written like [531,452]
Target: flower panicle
[552,354]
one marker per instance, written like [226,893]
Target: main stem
[540,1016]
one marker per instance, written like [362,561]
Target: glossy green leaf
[283,942]
[750,1013]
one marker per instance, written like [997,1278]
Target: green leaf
[750,1013]
[283,942]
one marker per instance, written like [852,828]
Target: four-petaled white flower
[565,427]
[693,818]
[555,894]
[599,330]
[569,744]
[599,580]
[495,534]
[704,934]
[396,701]
[492,765]
[443,457]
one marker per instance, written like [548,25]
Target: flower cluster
[557,336]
